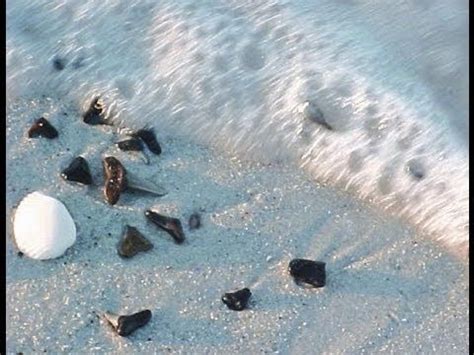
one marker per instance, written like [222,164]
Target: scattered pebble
[42,128]
[416,169]
[126,325]
[131,144]
[95,115]
[237,301]
[132,242]
[194,221]
[148,136]
[169,224]
[308,271]
[78,171]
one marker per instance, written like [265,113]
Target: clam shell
[43,227]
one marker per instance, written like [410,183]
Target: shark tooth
[132,242]
[95,115]
[308,272]
[118,179]
[238,300]
[115,179]
[78,171]
[168,224]
[127,324]
[42,128]
[148,136]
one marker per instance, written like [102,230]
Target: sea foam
[390,81]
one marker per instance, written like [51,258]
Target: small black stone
[133,144]
[194,221]
[126,325]
[95,115]
[148,136]
[20,254]
[308,271]
[59,64]
[132,242]
[171,225]
[237,301]
[314,114]
[42,128]
[78,171]
[416,169]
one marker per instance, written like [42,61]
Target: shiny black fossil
[95,115]
[237,301]
[115,179]
[171,225]
[78,171]
[308,272]
[126,325]
[42,128]
[148,136]
[132,242]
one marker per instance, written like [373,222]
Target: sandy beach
[388,288]
[327,130]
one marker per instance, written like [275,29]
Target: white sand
[222,82]
[388,288]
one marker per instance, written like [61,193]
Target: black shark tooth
[95,115]
[169,224]
[78,171]
[308,271]
[126,325]
[42,128]
[148,136]
[132,242]
[237,301]
[115,179]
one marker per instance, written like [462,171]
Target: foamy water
[391,80]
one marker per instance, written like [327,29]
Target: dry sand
[388,288]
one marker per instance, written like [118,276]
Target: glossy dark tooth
[115,179]
[308,272]
[126,325]
[237,301]
[169,224]
[133,144]
[42,128]
[132,242]
[95,115]
[78,171]
[194,221]
[148,136]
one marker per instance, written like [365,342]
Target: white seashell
[43,227]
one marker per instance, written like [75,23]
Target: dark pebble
[115,179]
[171,225]
[20,254]
[416,169]
[237,301]
[59,64]
[132,242]
[42,128]
[95,115]
[131,144]
[194,221]
[148,136]
[126,325]
[78,171]
[308,272]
